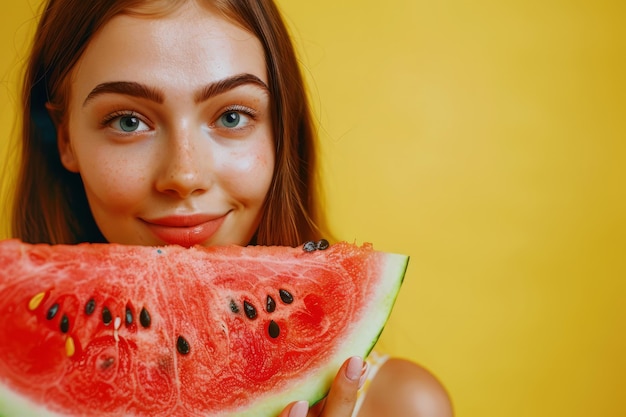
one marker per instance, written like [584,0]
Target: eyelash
[237,108]
[109,118]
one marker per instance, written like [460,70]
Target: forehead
[186,47]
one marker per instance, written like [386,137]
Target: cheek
[113,175]
[249,173]
[114,179]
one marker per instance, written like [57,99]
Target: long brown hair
[50,204]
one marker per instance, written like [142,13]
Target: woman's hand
[341,398]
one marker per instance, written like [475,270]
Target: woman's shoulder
[403,388]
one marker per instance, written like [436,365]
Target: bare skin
[165,162]
[403,388]
[400,388]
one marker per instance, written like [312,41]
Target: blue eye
[230,119]
[236,118]
[128,124]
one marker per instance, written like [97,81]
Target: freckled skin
[181,160]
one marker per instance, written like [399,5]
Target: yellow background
[487,140]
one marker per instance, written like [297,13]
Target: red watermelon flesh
[113,330]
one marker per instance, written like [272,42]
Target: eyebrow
[127,88]
[135,89]
[226,84]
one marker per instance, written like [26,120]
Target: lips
[185,231]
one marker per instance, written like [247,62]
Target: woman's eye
[129,124]
[233,119]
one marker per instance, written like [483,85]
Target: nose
[184,166]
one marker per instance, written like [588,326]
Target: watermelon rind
[14,405]
[311,387]
[361,344]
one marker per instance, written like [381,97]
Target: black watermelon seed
[129,316]
[182,346]
[309,246]
[144,318]
[65,324]
[107,318]
[250,310]
[52,311]
[323,244]
[273,329]
[233,307]
[90,307]
[285,296]
[270,306]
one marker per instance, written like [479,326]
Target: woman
[183,122]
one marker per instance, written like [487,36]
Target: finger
[295,409]
[316,410]
[343,392]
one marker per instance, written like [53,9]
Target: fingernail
[299,409]
[364,372]
[354,368]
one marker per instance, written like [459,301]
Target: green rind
[393,274]
[12,405]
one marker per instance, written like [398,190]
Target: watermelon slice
[113,330]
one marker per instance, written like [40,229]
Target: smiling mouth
[185,231]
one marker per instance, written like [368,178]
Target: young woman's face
[170,129]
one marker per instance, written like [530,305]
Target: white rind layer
[14,405]
[362,338]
